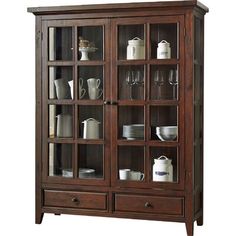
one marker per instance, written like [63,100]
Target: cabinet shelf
[90,63]
[172,61]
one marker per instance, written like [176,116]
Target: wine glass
[130,80]
[139,78]
[159,81]
[173,81]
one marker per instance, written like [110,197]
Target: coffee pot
[91,129]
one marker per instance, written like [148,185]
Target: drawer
[149,204]
[81,200]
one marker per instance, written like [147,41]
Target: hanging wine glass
[159,81]
[130,81]
[173,80]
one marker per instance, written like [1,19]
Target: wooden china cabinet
[98,107]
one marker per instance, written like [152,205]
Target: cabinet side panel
[38,123]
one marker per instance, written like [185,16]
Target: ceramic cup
[124,174]
[93,83]
[136,175]
[94,93]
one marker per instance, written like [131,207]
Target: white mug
[124,174]
[95,93]
[93,83]
[136,175]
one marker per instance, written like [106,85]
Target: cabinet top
[111,7]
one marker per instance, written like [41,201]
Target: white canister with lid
[162,169]
[135,49]
[163,50]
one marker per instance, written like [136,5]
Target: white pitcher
[62,88]
[91,129]
[64,126]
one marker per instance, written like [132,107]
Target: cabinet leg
[200,221]
[189,228]
[38,217]
[57,214]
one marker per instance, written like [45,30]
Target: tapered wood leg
[38,217]
[57,214]
[189,228]
[200,221]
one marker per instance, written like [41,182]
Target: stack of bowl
[134,131]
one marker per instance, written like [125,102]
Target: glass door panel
[131,82]
[164,123]
[60,160]
[60,43]
[90,43]
[164,172]
[131,122]
[60,85]
[164,41]
[132,36]
[131,163]
[90,161]
[164,82]
[60,121]
[90,82]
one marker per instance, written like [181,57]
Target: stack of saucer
[134,131]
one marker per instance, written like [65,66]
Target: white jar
[162,170]
[135,49]
[163,50]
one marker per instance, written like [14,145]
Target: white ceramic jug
[91,129]
[135,49]
[64,126]
[62,88]
[163,50]
[162,169]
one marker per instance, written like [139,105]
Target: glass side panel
[90,43]
[60,84]
[60,43]
[131,42]
[131,163]
[90,82]
[131,122]
[164,123]
[165,41]
[164,82]
[60,121]
[91,161]
[166,164]
[131,82]
[90,122]
[60,160]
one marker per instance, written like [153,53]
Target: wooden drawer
[82,200]
[149,204]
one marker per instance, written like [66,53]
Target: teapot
[91,129]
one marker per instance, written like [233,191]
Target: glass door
[148,93]
[75,82]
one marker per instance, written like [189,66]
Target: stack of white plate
[134,131]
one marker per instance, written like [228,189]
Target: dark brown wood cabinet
[117,87]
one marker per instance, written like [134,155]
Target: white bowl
[167,133]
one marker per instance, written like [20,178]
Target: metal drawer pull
[148,204]
[74,199]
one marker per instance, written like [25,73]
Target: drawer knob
[148,204]
[75,199]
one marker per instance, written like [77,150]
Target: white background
[17,98]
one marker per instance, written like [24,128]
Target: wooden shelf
[90,63]
[150,61]
[61,63]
